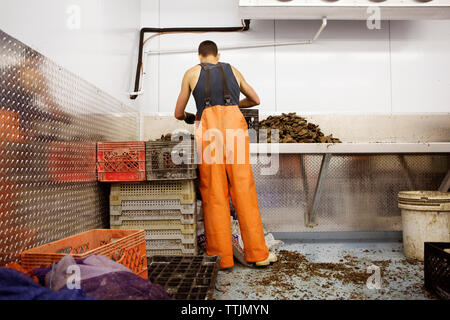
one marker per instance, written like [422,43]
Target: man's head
[208,52]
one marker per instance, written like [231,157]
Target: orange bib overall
[223,149]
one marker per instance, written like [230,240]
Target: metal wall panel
[359,192]
[50,120]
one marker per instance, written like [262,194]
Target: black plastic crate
[437,269]
[252,118]
[160,166]
[185,277]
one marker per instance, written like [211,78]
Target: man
[216,89]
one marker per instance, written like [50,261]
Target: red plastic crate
[121,161]
[126,247]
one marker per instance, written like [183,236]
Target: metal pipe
[324,24]
[256,45]
[143,31]
[141,92]
[246,26]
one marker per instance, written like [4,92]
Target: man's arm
[251,97]
[183,98]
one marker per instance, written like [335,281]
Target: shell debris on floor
[328,271]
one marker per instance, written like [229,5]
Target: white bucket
[425,218]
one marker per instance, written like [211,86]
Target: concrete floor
[343,276]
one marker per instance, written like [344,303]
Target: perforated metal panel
[50,121]
[359,192]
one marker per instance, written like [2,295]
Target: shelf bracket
[311,218]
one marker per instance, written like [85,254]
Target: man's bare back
[190,81]
[194,73]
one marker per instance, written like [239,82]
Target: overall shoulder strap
[207,84]
[226,92]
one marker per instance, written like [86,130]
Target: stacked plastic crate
[121,161]
[165,205]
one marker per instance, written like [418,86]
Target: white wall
[402,68]
[103,51]
[420,66]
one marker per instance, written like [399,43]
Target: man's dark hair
[207,48]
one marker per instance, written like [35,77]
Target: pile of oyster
[295,129]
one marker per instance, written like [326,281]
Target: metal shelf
[350,148]
[327,150]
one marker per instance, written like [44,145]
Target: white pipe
[256,45]
[324,24]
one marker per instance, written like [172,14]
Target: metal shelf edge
[350,148]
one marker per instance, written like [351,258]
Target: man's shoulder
[191,76]
[231,66]
[228,65]
[236,73]
[193,70]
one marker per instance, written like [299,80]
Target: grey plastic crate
[160,164]
[165,224]
[170,234]
[118,215]
[182,190]
[156,205]
[117,220]
[170,247]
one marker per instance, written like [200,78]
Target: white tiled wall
[420,66]
[345,71]
[402,68]
[172,67]
[103,50]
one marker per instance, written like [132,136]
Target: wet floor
[345,270]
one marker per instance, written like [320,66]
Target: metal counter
[348,187]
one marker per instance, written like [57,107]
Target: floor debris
[328,271]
